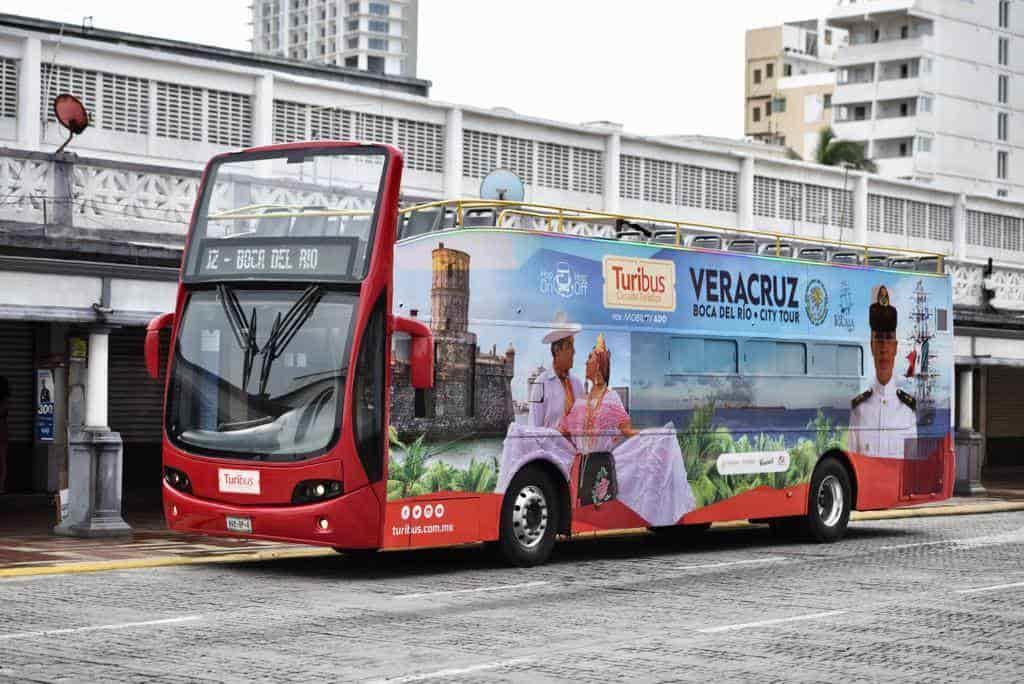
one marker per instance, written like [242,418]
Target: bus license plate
[239,524]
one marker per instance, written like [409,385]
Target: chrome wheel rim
[830,500]
[529,516]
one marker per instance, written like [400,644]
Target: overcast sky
[656,66]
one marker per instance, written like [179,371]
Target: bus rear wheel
[529,518]
[831,498]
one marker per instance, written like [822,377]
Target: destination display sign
[275,257]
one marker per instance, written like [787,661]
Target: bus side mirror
[421,353]
[152,350]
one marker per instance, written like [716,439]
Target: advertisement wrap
[665,385]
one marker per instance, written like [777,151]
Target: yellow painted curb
[164,561]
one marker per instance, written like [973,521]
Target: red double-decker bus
[349,375]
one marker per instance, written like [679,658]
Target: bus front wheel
[529,518]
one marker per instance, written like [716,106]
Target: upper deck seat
[781,249]
[845,258]
[706,242]
[903,263]
[273,226]
[813,254]
[744,245]
[309,226]
[665,237]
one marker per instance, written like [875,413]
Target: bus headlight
[312,491]
[177,479]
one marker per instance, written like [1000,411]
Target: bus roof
[474,213]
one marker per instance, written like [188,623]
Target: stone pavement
[28,548]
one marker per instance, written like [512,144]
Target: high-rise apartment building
[934,90]
[373,35]
[789,83]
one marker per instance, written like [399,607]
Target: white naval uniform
[547,398]
[882,421]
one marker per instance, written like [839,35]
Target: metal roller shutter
[135,399]
[17,343]
[1005,403]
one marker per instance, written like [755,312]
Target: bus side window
[369,396]
[850,360]
[720,356]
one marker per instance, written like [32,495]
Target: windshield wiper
[244,331]
[285,328]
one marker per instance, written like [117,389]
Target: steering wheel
[311,412]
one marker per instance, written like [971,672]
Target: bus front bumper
[349,521]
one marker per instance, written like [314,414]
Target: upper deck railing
[476,213]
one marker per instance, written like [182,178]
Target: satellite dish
[71,114]
[502,184]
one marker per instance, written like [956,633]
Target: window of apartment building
[1004,13]
[1004,51]
[827,101]
[779,105]
[904,109]
[756,114]
[924,104]
[787,69]
[352,43]
[828,36]
[1002,126]
[353,8]
[860,112]
[904,32]
[769,71]
[903,149]
[1002,163]
[378,44]
[926,65]
[768,108]
[352,25]
[1004,89]
[757,75]
[375,65]
[875,35]
[379,26]
[352,62]
[379,8]
[924,144]
[904,70]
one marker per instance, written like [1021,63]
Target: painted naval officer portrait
[555,390]
[883,421]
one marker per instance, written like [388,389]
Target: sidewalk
[28,548]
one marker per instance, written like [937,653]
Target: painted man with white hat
[556,389]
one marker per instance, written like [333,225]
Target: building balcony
[854,130]
[882,51]
[848,15]
[899,88]
[895,127]
[850,93]
[895,167]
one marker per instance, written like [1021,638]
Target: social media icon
[417,511]
[428,511]
[439,510]
[405,512]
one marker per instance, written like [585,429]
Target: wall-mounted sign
[44,405]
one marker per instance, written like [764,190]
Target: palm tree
[834,152]
[479,476]
[404,475]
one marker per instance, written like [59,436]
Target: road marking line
[452,672]
[500,587]
[978,590]
[766,559]
[910,546]
[764,623]
[123,625]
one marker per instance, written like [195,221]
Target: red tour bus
[347,374]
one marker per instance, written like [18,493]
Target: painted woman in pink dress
[650,473]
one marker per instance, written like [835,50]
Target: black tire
[529,518]
[829,502]
[681,533]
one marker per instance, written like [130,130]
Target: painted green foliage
[415,473]
[702,442]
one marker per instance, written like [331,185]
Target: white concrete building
[95,239]
[373,35]
[935,90]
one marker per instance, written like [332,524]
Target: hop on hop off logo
[816,302]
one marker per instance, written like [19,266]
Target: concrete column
[960,227]
[970,445]
[263,110]
[612,171]
[95,457]
[96,381]
[453,153]
[860,210]
[745,201]
[30,132]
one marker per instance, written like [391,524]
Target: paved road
[938,599]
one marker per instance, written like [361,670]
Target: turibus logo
[239,481]
[639,283]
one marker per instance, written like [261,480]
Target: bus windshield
[304,213]
[259,374]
